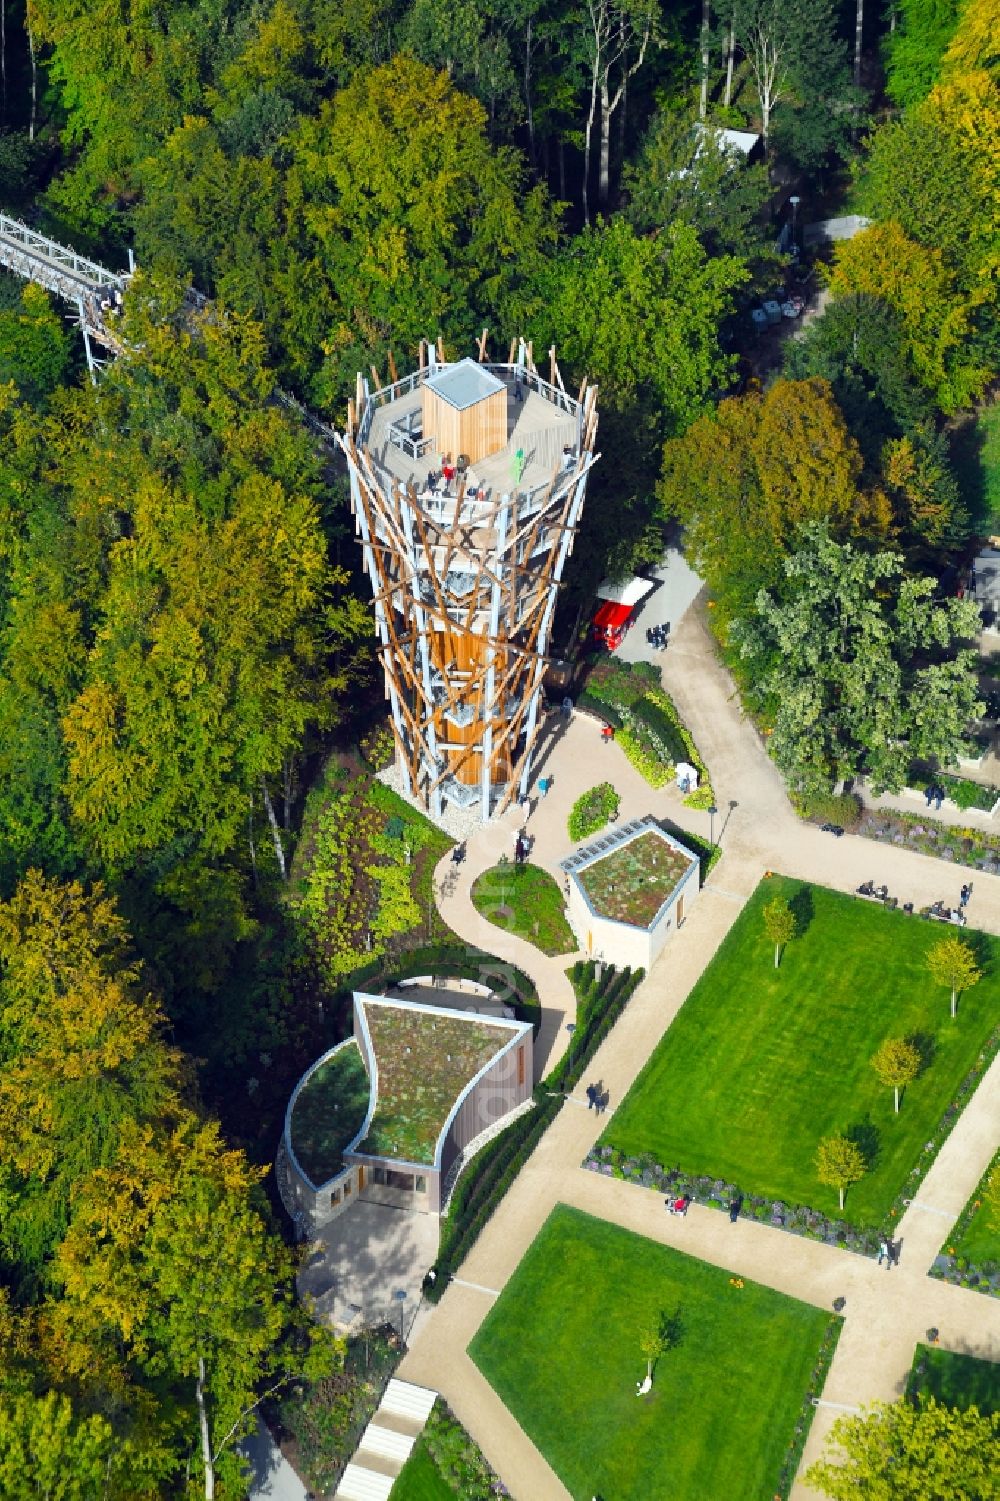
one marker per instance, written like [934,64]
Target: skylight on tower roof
[464,384]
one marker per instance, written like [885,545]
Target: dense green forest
[184,633]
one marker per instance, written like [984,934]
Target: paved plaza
[885,1316]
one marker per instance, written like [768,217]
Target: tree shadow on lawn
[983,951]
[926,1046]
[867,1137]
[802,909]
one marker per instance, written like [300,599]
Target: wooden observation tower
[467,482]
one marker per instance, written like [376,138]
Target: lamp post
[795,200]
[400,1297]
[570,1028]
[711,823]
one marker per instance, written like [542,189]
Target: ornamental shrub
[593,810]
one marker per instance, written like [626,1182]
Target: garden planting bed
[971,1256]
[524,900]
[976,848]
[631,698]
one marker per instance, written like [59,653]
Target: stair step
[408,1400]
[359,1484]
[385,1442]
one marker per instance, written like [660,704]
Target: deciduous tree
[863,668]
[916,46]
[839,1163]
[82,1053]
[897,1064]
[937,316]
[895,1450]
[46,1450]
[779,925]
[169,1253]
[953,965]
[744,478]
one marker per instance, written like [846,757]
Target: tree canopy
[859,668]
[896,1451]
[744,478]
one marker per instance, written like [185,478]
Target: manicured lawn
[525,900]
[761,1063]
[562,1349]
[957,1380]
[420,1479]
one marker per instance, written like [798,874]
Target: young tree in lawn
[656,1339]
[894,1450]
[779,925]
[897,1064]
[839,1163]
[953,964]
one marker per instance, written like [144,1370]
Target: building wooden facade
[467,481]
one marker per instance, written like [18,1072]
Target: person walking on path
[963,900]
[591,1097]
[883,1251]
[567,707]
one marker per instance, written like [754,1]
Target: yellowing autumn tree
[744,478]
[884,262]
[83,1053]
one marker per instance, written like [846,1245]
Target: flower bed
[954,1264]
[817,1381]
[716,1193]
[972,847]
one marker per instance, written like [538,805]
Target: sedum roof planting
[329,1111]
[425,1058]
[631,883]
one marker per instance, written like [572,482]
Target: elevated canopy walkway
[92,289]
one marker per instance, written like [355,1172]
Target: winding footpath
[885,1315]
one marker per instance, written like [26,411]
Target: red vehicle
[616,612]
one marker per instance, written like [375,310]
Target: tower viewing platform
[467,481]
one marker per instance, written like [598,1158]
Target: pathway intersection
[885,1315]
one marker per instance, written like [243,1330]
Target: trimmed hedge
[843,809]
[599,1005]
[593,810]
[589,703]
[661,727]
[482,1186]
